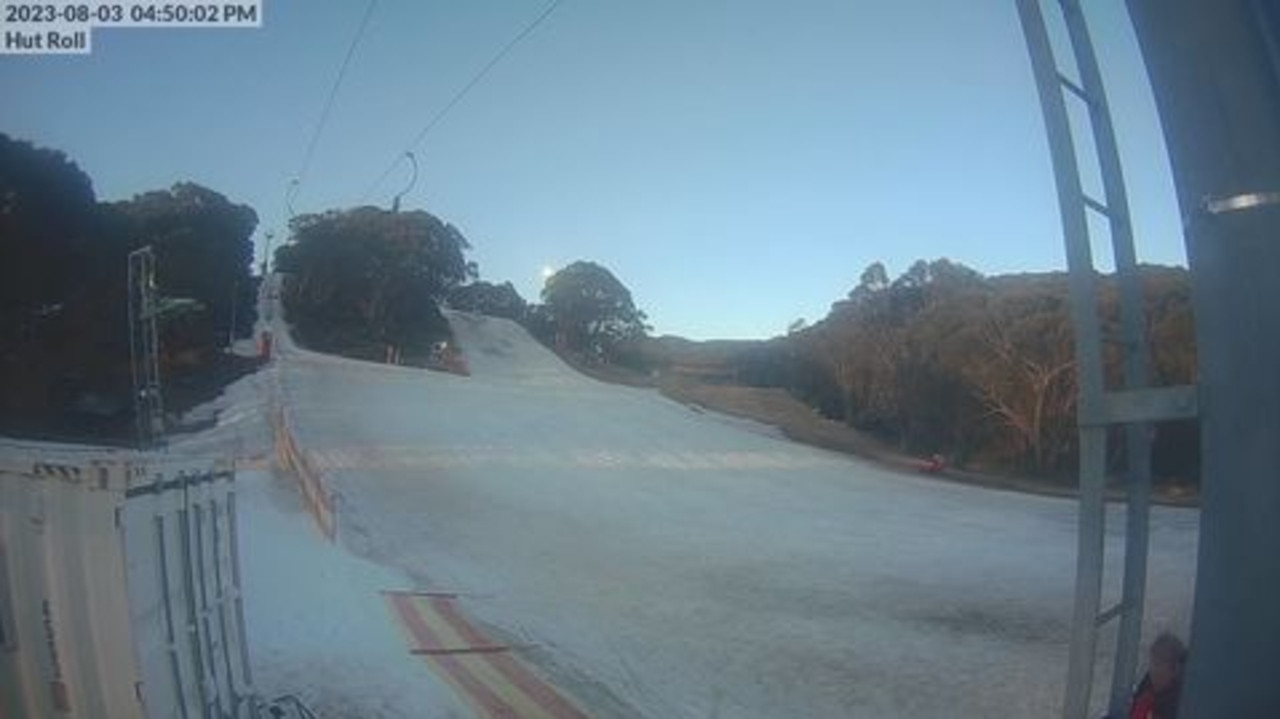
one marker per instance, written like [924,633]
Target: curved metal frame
[1134,405]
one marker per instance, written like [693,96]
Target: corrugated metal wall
[119,592]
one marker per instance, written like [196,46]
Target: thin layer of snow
[499,350]
[665,563]
[662,562]
[241,425]
[316,623]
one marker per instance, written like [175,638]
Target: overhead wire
[460,94]
[330,100]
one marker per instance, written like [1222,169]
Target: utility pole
[144,349]
[231,332]
[1215,72]
[266,255]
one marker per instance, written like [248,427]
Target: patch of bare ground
[801,423]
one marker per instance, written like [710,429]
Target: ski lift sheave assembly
[413,180]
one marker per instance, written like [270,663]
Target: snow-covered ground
[655,561]
[662,562]
[317,624]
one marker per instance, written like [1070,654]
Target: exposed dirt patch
[803,424]
[797,420]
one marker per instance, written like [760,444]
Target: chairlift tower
[144,349]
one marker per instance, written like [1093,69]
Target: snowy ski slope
[666,563]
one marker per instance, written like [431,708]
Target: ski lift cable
[462,93]
[296,183]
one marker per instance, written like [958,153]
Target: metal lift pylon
[144,349]
[1135,404]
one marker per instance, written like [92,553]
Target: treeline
[979,369]
[940,360]
[369,283]
[64,335]
[586,313]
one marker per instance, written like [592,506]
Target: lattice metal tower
[144,349]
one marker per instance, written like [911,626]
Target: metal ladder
[1135,404]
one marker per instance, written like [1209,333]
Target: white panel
[181,554]
[68,646]
[119,593]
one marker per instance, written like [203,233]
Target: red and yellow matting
[485,673]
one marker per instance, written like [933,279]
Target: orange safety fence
[317,495]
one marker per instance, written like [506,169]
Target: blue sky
[736,163]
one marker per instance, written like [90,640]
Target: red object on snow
[264,345]
[934,464]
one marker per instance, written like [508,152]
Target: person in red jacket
[1158,693]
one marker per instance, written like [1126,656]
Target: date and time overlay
[65,27]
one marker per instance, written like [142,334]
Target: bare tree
[1027,381]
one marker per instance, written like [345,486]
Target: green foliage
[204,252]
[942,359]
[538,321]
[48,218]
[55,289]
[591,311]
[364,279]
[64,352]
[489,299]
[1024,375]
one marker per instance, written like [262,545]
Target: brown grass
[801,423]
